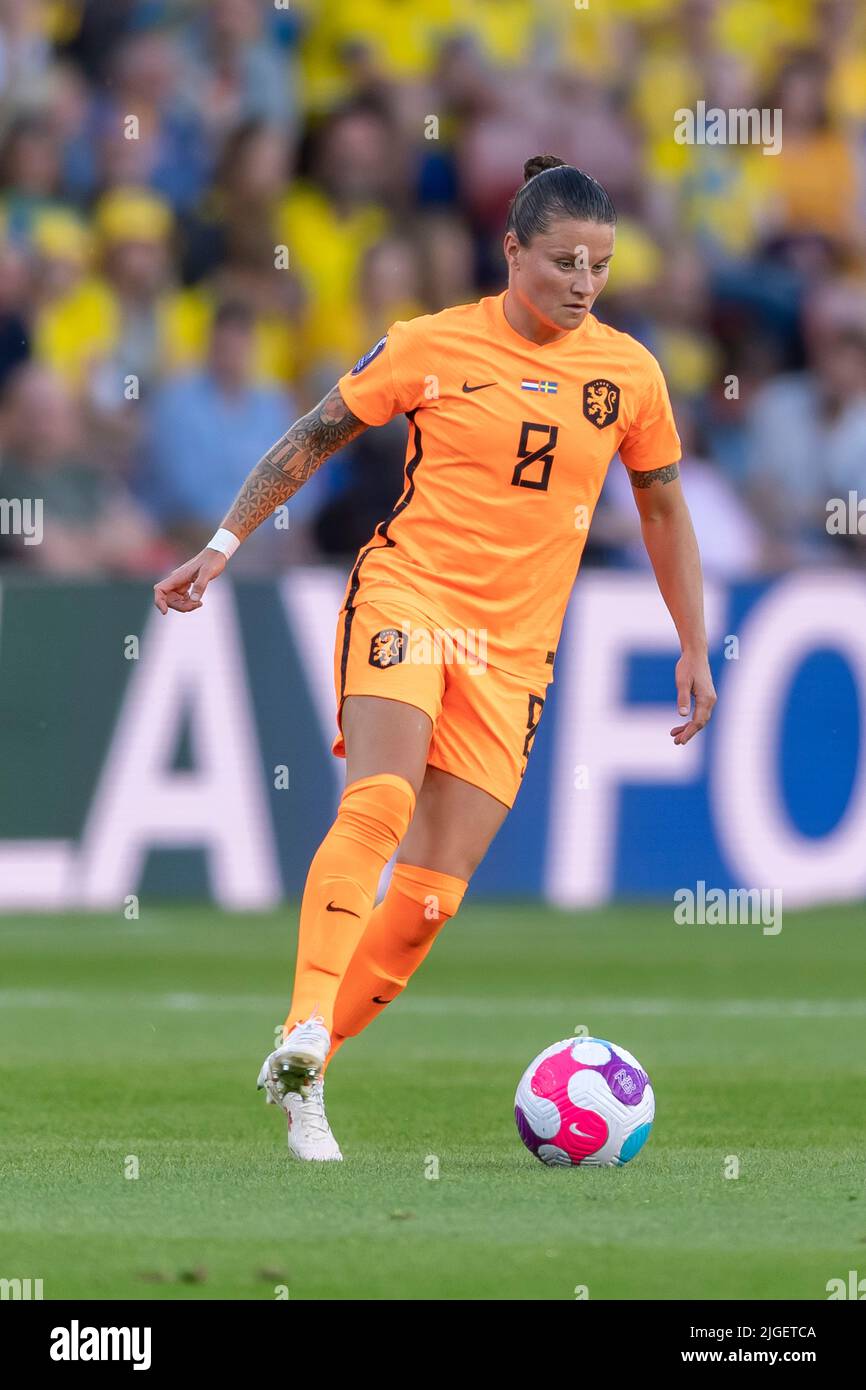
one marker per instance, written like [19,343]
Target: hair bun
[538,163]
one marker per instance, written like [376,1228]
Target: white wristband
[224,541]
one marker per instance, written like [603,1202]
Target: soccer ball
[584,1100]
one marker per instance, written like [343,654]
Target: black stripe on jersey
[381,530]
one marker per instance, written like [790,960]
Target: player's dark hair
[554,189]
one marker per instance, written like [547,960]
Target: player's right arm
[285,467]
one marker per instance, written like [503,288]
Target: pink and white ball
[586,1101]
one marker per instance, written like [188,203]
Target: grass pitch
[134,1046]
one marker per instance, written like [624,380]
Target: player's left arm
[670,543]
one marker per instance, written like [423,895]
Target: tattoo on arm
[291,461]
[655,475]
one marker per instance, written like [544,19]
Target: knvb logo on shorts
[22,516]
[424,646]
[601,402]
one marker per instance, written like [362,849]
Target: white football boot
[292,1078]
[310,1134]
[298,1061]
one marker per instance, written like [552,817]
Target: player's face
[561,273]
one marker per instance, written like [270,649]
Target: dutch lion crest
[601,402]
[388,647]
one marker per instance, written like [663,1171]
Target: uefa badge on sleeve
[369,356]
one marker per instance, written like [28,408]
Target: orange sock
[373,816]
[398,936]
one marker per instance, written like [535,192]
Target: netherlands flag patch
[547,388]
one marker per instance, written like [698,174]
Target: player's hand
[693,679]
[184,587]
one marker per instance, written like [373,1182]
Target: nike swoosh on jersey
[333,908]
[483,387]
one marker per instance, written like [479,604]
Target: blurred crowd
[209,209]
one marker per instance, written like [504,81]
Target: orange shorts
[484,719]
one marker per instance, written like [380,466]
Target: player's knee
[437,892]
[377,811]
[449,865]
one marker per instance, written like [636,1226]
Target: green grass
[144,1038]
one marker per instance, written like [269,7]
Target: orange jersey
[509,444]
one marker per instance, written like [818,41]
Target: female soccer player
[452,612]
